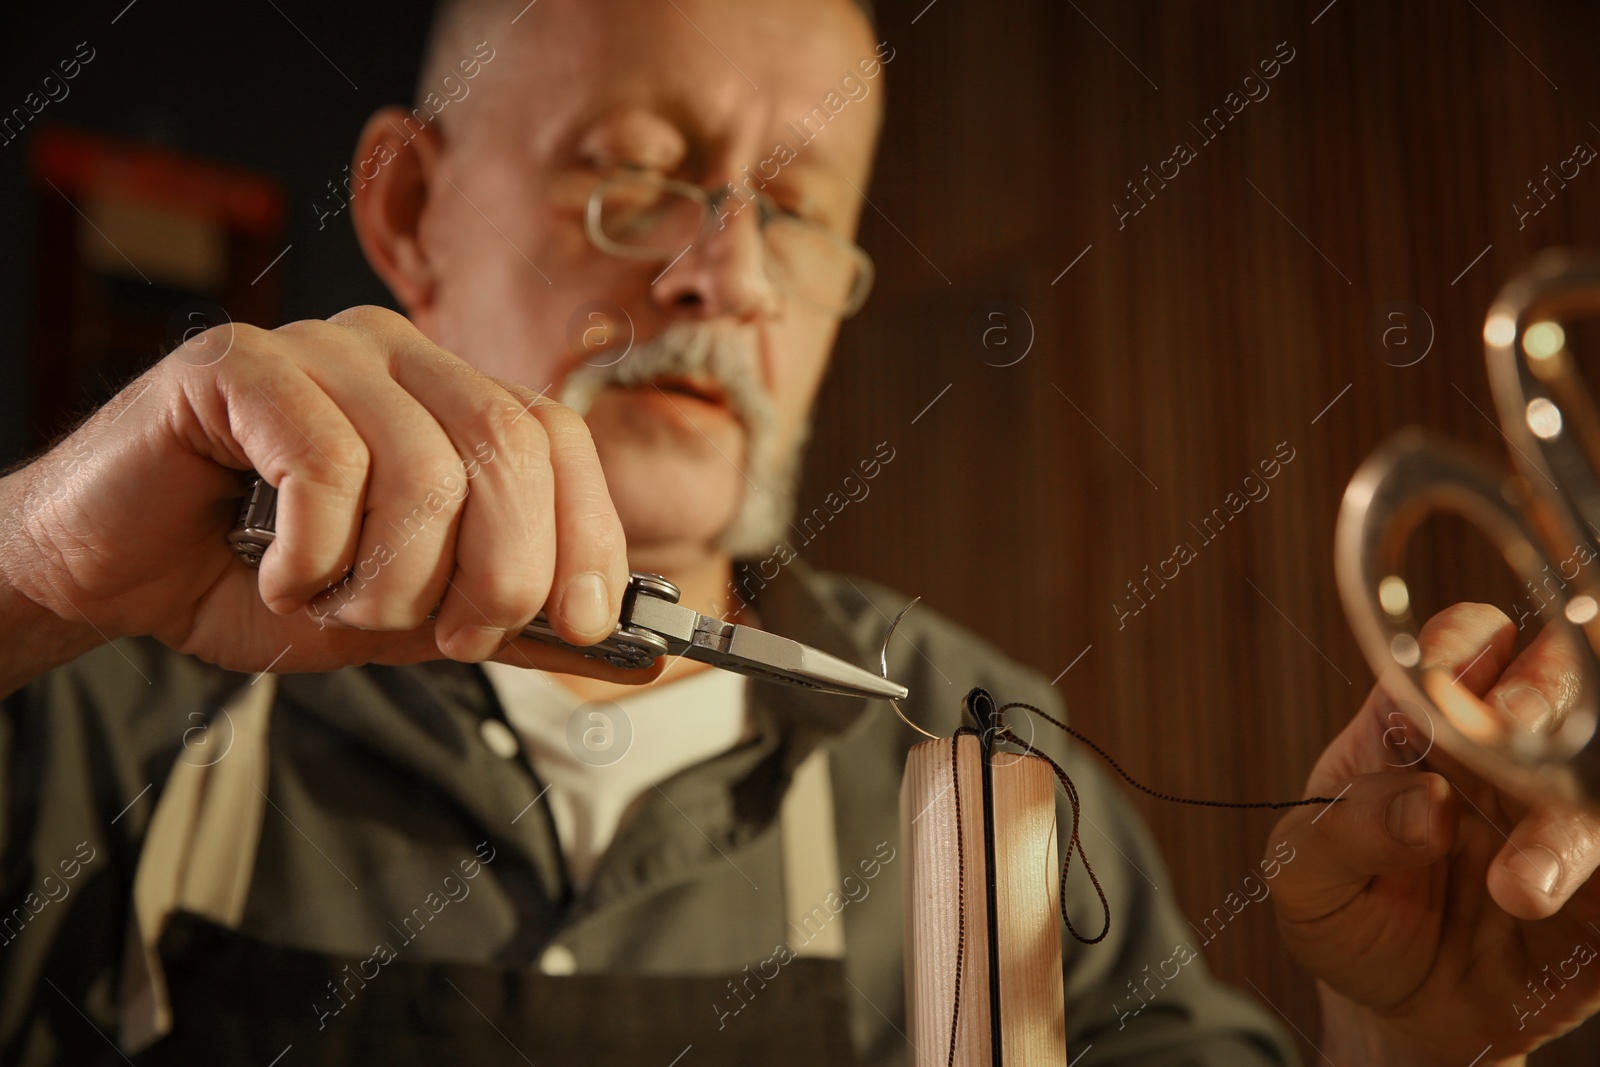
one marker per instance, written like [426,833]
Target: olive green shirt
[382,785]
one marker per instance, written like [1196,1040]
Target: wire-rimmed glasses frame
[636,214]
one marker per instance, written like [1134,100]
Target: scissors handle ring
[1552,505]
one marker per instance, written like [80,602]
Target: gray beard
[726,355]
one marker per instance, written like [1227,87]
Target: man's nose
[724,272]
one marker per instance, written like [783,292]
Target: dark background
[1177,353]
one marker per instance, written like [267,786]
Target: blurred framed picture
[136,249]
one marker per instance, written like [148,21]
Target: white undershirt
[674,724]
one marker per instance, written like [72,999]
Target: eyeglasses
[639,215]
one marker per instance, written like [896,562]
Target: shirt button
[498,736]
[558,961]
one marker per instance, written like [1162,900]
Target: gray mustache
[686,350]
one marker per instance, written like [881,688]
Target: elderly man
[339,811]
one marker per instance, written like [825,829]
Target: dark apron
[237,1000]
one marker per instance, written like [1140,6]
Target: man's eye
[799,212]
[611,167]
[818,221]
[801,206]
[612,164]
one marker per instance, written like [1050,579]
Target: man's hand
[1446,922]
[397,464]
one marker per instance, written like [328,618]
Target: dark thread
[1074,843]
[1103,754]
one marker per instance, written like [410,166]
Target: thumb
[1380,824]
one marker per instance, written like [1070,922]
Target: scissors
[653,624]
[1547,509]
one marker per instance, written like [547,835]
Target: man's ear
[394,167]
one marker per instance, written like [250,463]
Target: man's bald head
[458,25]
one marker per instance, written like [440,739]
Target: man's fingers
[1550,855]
[591,553]
[1467,646]
[1542,685]
[414,492]
[1472,641]
[505,548]
[1380,824]
[300,441]
[475,496]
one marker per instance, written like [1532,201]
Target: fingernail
[474,643]
[586,606]
[1407,817]
[1526,706]
[1538,867]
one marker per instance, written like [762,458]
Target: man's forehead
[795,35]
[717,69]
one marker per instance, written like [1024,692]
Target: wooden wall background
[1219,322]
